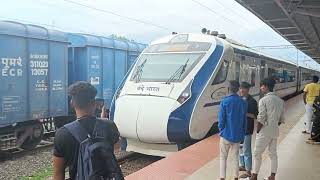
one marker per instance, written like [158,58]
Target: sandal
[242,168]
[245,175]
[313,142]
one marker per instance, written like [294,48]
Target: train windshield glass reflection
[178,47]
[160,67]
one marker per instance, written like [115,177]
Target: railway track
[16,153]
[46,145]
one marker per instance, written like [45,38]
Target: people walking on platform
[271,109]
[252,112]
[315,131]
[310,92]
[85,146]
[105,112]
[232,127]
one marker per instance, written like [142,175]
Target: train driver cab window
[222,74]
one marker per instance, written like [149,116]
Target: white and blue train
[170,98]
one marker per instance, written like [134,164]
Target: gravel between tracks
[26,165]
[135,165]
[41,159]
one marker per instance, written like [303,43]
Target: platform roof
[298,21]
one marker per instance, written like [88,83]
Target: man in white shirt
[270,116]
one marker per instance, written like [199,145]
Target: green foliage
[39,175]
[120,37]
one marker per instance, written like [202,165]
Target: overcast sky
[147,20]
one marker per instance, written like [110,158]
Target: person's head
[83,97]
[267,85]
[244,89]
[315,79]
[234,86]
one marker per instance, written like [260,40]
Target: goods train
[170,98]
[38,64]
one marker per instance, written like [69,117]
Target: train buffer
[296,159]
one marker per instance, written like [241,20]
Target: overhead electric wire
[230,9]
[213,11]
[119,15]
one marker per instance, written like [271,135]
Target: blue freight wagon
[102,61]
[33,82]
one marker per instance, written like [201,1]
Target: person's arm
[281,121]
[114,134]
[259,127]
[305,91]
[253,109]
[245,116]
[58,168]
[262,116]
[221,117]
[103,112]
[305,97]
[250,115]
[61,150]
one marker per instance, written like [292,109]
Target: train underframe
[28,134]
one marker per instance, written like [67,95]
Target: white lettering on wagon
[11,67]
[39,64]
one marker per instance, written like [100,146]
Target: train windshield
[162,67]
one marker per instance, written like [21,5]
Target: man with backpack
[85,146]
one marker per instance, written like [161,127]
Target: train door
[298,71]
[236,67]
[252,75]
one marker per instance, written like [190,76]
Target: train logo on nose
[140,88]
[143,88]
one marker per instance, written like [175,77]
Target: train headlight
[185,95]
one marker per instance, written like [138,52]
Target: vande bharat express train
[171,95]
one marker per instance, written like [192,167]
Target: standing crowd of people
[86,146]
[236,125]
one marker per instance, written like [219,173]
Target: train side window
[237,71]
[253,76]
[271,72]
[290,76]
[262,70]
[221,76]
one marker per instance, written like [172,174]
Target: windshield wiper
[178,73]
[139,71]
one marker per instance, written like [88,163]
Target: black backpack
[96,159]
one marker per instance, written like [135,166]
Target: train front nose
[144,117]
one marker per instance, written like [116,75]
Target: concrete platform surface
[297,160]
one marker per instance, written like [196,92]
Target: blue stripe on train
[179,120]
[124,80]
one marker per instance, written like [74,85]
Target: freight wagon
[102,61]
[33,82]
[38,64]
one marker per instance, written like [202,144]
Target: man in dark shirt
[66,147]
[252,112]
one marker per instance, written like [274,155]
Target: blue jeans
[123,144]
[246,153]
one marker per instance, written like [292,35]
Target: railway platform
[297,159]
